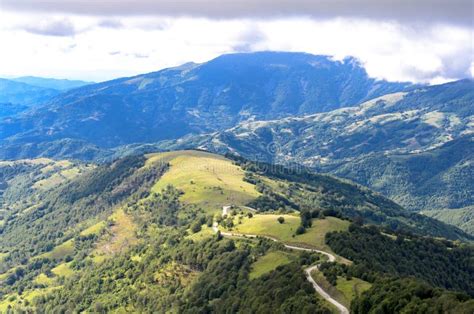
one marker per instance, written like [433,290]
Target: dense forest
[438,262]
[410,296]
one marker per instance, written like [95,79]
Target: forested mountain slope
[139,234]
[461,217]
[195,98]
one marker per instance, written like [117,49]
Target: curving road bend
[342,309]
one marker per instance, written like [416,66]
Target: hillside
[461,217]
[156,214]
[196,98]
[415,147]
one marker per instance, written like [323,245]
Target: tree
[196,227]
[300,230]
[210,221]
[281,219]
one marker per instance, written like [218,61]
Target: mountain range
[57,84]
[197,98]
[263,182]
[412,143]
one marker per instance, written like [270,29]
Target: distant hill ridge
[197,98]
[58,84]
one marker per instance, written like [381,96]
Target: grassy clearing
[345,290]
[205,233]
[119,238]
[267,224]
[269,262]
[315,235]
[42,279]
[207,180]
[94,229]
[63,270]
[333,291]
[60,251]
[59,172]
[352,288]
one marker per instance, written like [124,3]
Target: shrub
[300,230]
[196,227]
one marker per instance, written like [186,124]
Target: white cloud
[103,48]
[55,27]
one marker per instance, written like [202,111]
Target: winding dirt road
[342,309]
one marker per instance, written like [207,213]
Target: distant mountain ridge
[197,98]
[18,93]
[58,84]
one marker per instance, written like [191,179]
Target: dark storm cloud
[51,28]
[444,11]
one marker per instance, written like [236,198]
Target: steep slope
[435,179]
[138,235]
[196,98]
[414,147]
[461,217]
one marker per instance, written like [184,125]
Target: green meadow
[207,180]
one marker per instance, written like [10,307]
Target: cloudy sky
[416,40]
